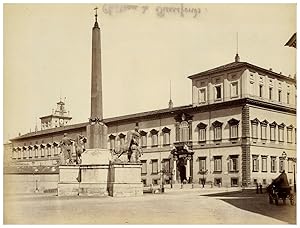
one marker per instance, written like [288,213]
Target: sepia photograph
[137,113]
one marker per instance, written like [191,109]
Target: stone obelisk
[96,129]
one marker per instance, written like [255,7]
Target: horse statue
[134,151]
[131,147]
[79,147]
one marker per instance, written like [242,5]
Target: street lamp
[294,160]
[33,172]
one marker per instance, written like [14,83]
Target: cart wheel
[292,199]
[270,199]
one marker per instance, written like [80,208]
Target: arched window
[154,136]
[122,140]
[166,136]
[143,138]
[112,141]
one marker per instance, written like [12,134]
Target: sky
[47,54]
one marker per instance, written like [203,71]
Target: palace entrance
[183,163]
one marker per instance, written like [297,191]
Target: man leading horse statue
[131,148]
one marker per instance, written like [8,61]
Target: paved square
[193,206]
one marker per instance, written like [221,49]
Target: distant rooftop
[236,65]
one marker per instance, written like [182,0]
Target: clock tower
[59,118]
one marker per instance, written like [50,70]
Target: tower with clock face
[59,118]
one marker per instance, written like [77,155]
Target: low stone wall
[29,183]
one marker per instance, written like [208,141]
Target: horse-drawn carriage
[280,189]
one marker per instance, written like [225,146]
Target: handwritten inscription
[161,10]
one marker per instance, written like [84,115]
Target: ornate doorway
[183,163]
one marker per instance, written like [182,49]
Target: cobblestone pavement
[172,207]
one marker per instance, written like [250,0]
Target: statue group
[131,148]
[66,145]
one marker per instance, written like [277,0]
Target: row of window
[217,181]
[277,132]
[273,164]
[233,164]
[234,92]
[35,152]
[166,168]
[270,94]
[183,134]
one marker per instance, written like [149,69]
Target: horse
[79,148]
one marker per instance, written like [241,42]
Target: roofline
[112,120]
[64,117]
[51,130]
[163,113]
[143,115]
[243,64]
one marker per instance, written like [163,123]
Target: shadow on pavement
[258,203]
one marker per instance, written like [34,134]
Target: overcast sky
[47,53]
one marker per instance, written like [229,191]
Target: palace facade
[239,130]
